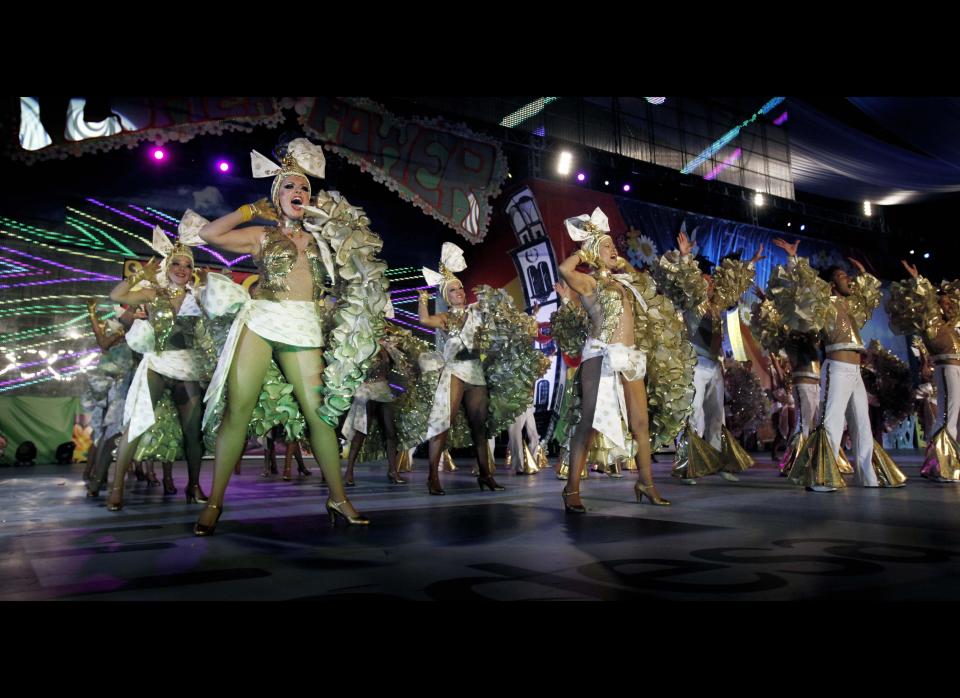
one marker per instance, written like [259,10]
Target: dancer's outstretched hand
[911,268]
[791,250]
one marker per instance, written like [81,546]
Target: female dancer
[170,361]
[612,368]
[461,378]
[374,401]
[290,319]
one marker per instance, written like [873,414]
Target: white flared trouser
[708,416]
[515,432]
[808,407]
[948,398]
[845,398]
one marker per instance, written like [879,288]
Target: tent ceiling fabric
[830,158]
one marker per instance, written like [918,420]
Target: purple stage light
[626,187]
[581,177]
[223,166]
[158,154]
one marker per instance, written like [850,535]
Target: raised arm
[224,233]
[584,284]
[436,321]
[911,268]
[123,292]
[105,340]
[566,295]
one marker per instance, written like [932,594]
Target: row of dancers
[649,344]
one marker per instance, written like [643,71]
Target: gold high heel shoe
[651,492]
[200,529]
[571,508]
[111,506]
[333,509]
[195,495]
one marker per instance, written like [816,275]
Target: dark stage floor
[759,539]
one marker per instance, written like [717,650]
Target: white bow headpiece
[305,155]
[584,227]
[451,260]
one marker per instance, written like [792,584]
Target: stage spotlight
[223,166]
[64,454]
[581,177]
[789,224]
[606,182]
[911,252]
[803,227]
[926,255]
[626,187]
[867,209]
[758,199]
[565,162]
[158,154]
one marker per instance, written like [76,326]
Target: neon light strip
[392,385]
[60,249]
[151,212]
[59,356]
[724,165]
[103,222]
[40,272]
[780,120]
[161,214]
[728,136]
[20,269]
[212,253]
[418,277]
[96,244]
[526,112]
[416,327]
[49,342]
[414,288]
[55,281]
[37,331]
[402,301]
[50,298]
[64,373]
[25,270]
[49,234]
[38,309]
[95,275]
[83,226]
